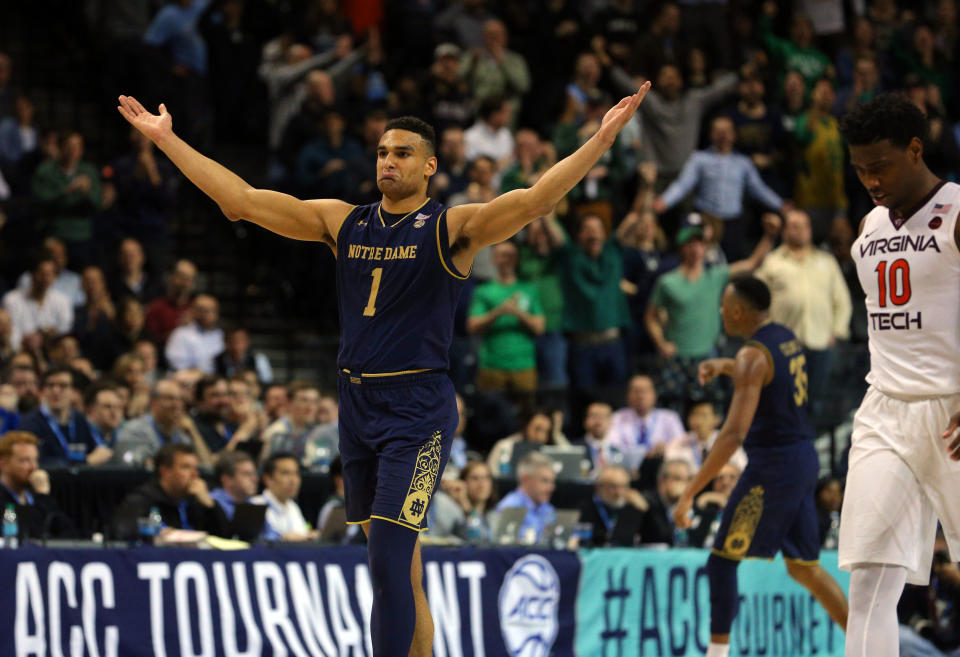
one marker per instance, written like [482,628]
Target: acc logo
[529,598]
[935,223]
[419,222]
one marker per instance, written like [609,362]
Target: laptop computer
[335,525]
[570,463]
[557,534]
[521,449]
[507,529]
[248,521]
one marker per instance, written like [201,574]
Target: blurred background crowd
[139,329]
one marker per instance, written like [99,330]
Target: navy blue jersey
[781,417]
[397,289]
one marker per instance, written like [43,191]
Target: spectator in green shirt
[508,316]
[539,266]
[68,190]
[796,53]
[595,309]
[683,316]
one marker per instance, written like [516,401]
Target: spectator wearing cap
[683,316]
[446,93]
[63,432]
[195,345]
[719,177]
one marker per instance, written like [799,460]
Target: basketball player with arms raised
[902,475]
[401,264]
[772,507]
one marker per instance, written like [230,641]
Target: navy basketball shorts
[395,438]
[772,507]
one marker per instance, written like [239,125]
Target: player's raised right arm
[317,221]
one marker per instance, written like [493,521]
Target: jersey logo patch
[744,523]
[935,223]
[424,479]
[419,223]
[940,207]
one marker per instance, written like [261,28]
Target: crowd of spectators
[113,352]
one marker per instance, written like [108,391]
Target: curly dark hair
[888,116]
[413,124]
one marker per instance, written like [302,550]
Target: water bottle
[504,465]
[680,538]
[474,533]
[11,529]
[322,462]
[150,527]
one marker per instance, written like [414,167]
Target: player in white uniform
[904,473]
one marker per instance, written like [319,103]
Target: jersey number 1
[899,282]
[374,288]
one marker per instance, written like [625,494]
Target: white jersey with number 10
[909,268]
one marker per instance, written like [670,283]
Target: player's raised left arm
[750,371]
[481,225]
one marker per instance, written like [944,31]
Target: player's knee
[390,551]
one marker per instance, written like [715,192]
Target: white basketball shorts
[900,481]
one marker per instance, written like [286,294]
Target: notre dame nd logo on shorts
[422,483]
[744,523]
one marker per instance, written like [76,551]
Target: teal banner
[656,603]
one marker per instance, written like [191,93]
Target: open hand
[951,434]
[154,126]
[618,115]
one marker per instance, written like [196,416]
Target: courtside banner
[656,603]
[296,602]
